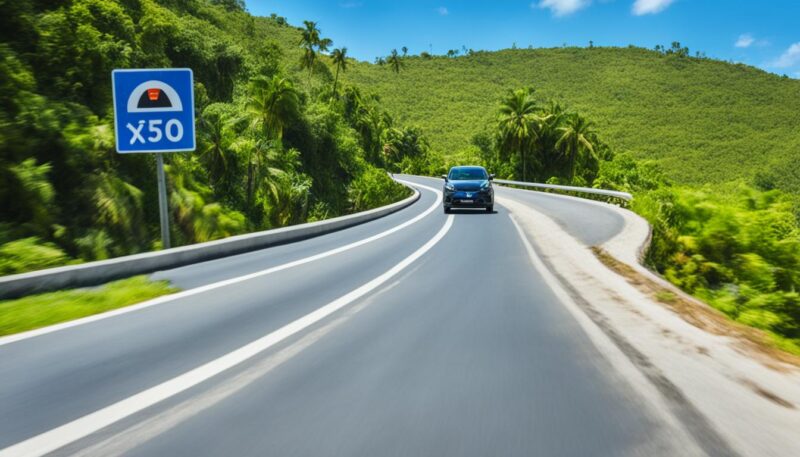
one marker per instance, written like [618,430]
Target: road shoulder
[707,379]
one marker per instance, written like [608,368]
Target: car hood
[468,185]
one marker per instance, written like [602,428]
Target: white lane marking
[654,403]
[125,440]
[227,282]
[61,436]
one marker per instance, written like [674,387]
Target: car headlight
[485,186]
[449,187]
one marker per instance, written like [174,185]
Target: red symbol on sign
[153,94]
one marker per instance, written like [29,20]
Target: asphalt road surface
[416,334]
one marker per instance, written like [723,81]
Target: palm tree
[34,192]
[272,104]
[324,44]
[519,124]
[553,115]
[119,209]
[215,143]
[308,41]
[260,155]
[340,60]
[371,123]
[312,44]
[405,50]
[395,62]
[576,142]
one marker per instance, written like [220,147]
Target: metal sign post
[162,201]
[154,112]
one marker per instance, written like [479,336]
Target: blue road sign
[154,110]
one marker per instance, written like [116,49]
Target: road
[415,334]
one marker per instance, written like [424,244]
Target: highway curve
[416,334]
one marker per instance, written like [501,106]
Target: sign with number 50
[154,110]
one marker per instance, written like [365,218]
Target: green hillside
[703,120]
[273,147]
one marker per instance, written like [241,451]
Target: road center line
[61,436]
[202,289]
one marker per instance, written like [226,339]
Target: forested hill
[274,146]
[704,120]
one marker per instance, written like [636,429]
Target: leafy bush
[29,254]
[374,188]
[738,250]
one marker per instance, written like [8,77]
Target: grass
[35,311]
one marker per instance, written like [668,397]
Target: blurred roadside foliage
[274,148]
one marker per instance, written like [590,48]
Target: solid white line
[549,278]
[199,290]
[86,425]
[655,403]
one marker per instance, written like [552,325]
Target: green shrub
[374,188]
[29,254]
[739,250]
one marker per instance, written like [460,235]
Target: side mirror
[491,177]
[444,177]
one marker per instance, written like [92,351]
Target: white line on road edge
[621,364]
[199,290]
[61,436]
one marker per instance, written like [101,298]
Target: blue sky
[763,33]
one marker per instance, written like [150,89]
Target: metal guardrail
[95,273]
[585,190]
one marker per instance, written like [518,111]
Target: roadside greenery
[540,141]
[736,247]
[40,310]
[738,251]
[702,120]
[277,144]
[289,133]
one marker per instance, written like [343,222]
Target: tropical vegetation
[276,144]
[737,248]
[702,120]
[291,129]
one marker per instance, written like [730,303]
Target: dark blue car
[468,187]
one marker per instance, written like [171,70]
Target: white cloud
[642,7]
[745,41]
[442,11]
[789,58]
[562,7]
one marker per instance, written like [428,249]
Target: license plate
[466,201]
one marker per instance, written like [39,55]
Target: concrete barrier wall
[95,273]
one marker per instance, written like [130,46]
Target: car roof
[467,167]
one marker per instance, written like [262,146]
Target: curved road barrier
[95,273]
[584,190]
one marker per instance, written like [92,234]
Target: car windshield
[466,174]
